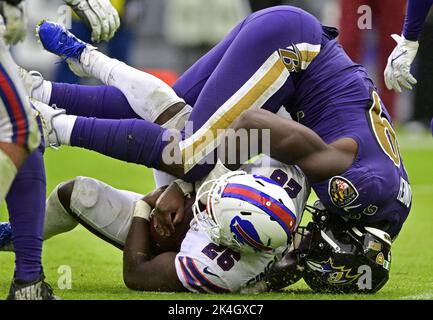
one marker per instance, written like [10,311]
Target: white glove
[397,72]
[15,21]
[99,15]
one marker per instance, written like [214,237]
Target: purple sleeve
[417,11]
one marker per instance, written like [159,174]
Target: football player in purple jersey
[340,136]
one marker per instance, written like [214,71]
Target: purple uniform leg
[253,67]
[26,206]
[244,71]
[130,140]
[105,102]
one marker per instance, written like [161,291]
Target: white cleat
[31,79]
[48,114]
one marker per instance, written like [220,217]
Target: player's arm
[140,270]
[290,143]
[397,72]
[293,143]
[417,11]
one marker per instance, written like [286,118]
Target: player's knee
[169,114]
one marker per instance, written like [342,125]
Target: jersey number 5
[383,131]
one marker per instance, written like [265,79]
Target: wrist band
[142,210]
[186,187]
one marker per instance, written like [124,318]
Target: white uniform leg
[104,210]
[57,219]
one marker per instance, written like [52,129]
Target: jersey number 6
[383,131]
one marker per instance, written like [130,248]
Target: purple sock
[105,102]
[26,206]
[130,140]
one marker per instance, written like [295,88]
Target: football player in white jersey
[244,228]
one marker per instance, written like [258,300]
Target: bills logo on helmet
[245,233]
[342,192]
[335,274]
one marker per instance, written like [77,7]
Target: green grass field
[97,267]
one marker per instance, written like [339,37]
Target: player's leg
[103,210]
[81,100]
[270,46]
[19,133]
[105,102]
[147,95]
[26,206]
[131,140]
[192,81]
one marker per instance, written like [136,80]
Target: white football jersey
[205,267]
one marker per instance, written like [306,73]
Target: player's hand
[100,16]
[397,72]
[171,201]
[15,23]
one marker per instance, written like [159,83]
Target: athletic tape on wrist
[142,210]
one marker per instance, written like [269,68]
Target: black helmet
[342,258]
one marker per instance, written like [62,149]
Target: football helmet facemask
[339,258]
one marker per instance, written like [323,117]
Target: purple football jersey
[283,56]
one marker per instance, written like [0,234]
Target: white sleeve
[162,178]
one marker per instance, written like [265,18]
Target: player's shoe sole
[36,290]
[58,40]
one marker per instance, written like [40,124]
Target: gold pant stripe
[264,83]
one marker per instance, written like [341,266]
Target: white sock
[64,124]
[147,95]
[98,64]
[43,92]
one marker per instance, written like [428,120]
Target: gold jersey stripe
[308,57]
[253,94]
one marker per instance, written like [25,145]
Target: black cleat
[36,290]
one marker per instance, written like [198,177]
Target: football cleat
[56,39]
[36,290]
[47,114]
[5,234]
[31,79]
